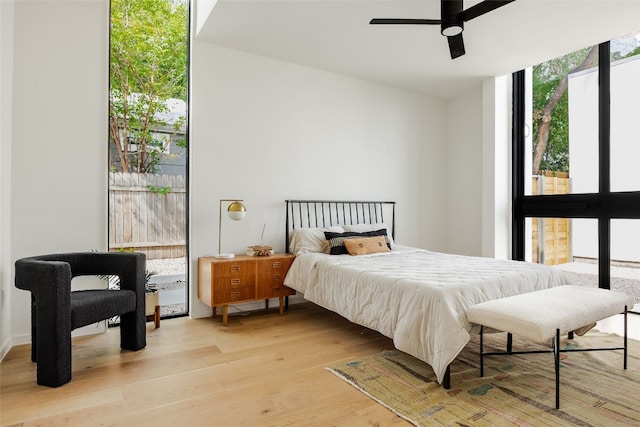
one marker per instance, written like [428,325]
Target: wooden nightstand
[242,279]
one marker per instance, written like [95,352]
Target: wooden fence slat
[144,219]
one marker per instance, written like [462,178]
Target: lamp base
[225,256]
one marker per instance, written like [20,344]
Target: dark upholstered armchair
[56,310]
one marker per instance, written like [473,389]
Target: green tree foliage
[148,66]
[556,155]
[551,106]
[548,80]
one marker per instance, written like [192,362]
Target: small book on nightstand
[259,250]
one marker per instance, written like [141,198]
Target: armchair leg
[133,330]
[53,353]
[34,341]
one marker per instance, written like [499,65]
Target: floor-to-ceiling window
[576,160]
[148,153]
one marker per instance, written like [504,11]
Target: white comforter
[416,297]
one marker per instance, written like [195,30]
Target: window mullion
[604,164]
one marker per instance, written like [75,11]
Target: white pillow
[303,240]
[359,228]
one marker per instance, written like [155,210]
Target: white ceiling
[335,36]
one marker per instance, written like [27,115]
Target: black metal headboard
[325,213]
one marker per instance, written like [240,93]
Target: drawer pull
[276,277]
[235,268]
[235,295]
[235,283]
[276,264]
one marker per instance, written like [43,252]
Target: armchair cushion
[92,306]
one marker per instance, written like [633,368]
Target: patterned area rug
[517,390]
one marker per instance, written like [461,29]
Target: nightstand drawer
[227,269]
[229,275]
[270,282]
[274,279]
[273,266]
[229,296]
[232,282]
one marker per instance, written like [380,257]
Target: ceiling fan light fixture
[451,30]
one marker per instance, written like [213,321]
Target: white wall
[496,167]
[204,8]
[6,96]
[58,144]
[264,131]
[625,153]
[463,176]
[478,172]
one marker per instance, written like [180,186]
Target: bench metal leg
[625,337]
[509,342]
[556,358]
[481,352]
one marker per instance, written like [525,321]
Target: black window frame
[187,136]
[604,205]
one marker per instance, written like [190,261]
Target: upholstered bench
[544,315]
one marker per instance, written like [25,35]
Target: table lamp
[236,211]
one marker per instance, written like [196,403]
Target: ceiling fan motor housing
[452,22]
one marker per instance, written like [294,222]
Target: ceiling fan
[452,19]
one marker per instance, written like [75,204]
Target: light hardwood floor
[260,370]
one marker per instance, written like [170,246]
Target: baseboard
[11,342]
[296,299]
[20,340]
[199,313]
[238,309]
[6,346]
[258,305]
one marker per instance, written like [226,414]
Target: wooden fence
[555,248]
[147,213]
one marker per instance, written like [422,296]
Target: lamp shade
[236,211]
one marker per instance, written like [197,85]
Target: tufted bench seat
[544,315]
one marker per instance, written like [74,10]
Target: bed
[416,297]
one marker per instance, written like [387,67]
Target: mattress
[416,297]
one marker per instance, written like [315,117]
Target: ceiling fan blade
[383,21]
[456,46]
[482,8]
